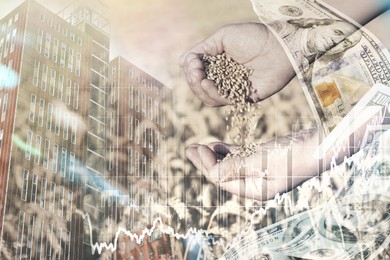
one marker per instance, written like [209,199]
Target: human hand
[275,167]
[250,44]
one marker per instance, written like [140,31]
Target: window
[36,72]
[78,63]
[63,162]
[46,154]
[156,110]
[143,104]
[150,102]
[72,162]
[49,119]
[60,86]
[42,17]
[144,166]
[143,135]
[25,185]
[39,40]
[37,154]
[73,129]
[21,226]
[34,188]
[61,201]
[44,77]
[55,50]
[52,196]
[13,40]
[136,100]
[42,201]
[68,91]
[52,87]
[63,55]
[151,169]
[4,109]
[27,154]
[70,59]
[156,142]
[72,36]
[79,41]
[49,234]
[39,240]
[76,96]
[131,96]
[32,108]
[137,163]
[130,125]
[41,112]
[137,132]
[54,164]
[7,38]
[66,126]
[57,127]
[151,140]
[69,206]
[16,17]
[129,160]
[30,234]
[47,45]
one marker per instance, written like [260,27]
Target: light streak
[8,77]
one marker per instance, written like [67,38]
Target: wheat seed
[232,82]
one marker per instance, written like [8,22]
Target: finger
[202,157]
[251,188]
[222,148]
[195,74]
[209,87]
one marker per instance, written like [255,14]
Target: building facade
[82,139]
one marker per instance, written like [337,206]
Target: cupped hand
[250,44]
[274,167]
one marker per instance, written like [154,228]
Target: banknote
[335,69]
[372,109]
[353,224]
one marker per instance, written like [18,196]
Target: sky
[152,34]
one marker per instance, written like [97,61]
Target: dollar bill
[337,61]
[354,224]
[372,109]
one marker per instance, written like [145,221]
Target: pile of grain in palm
[232,81]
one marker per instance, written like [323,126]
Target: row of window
[65,162]
[44,233]
[134,134]
[61,117]
[73,36]
[134,164]
[134,102]
[7,45]
[8,24]
[66,55]
[145,82]
[55,197]
[60,80]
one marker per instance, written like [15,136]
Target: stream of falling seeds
[231,79]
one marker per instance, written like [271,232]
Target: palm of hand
[254,46]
